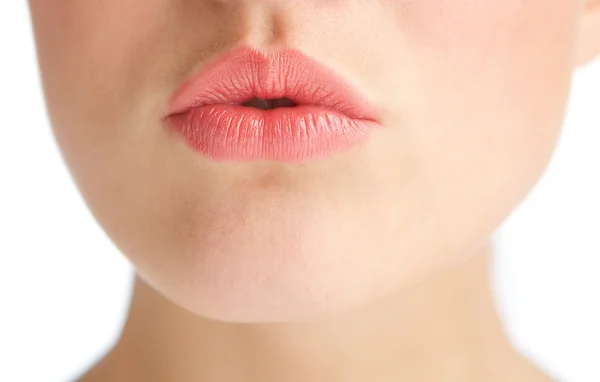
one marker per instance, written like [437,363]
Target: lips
[284,107]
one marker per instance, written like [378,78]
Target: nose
[273,22]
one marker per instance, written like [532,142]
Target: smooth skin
[371,265]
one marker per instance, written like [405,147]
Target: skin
[368,265]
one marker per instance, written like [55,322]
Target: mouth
[269,104]
[285,107]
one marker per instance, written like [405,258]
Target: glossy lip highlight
[330,115]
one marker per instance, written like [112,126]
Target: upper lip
[245,73]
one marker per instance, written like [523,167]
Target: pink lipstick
[283,107]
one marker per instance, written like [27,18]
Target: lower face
[471,97]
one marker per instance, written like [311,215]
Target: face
[470,96]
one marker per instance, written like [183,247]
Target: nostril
[269,104]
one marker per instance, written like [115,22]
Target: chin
[250,273]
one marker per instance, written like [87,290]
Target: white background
[64,287]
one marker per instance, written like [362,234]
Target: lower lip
[226,132]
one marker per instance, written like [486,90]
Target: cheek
[496,52]
[482,49]
[92,50]
[492,82]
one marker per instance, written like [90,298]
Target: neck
[444,329]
